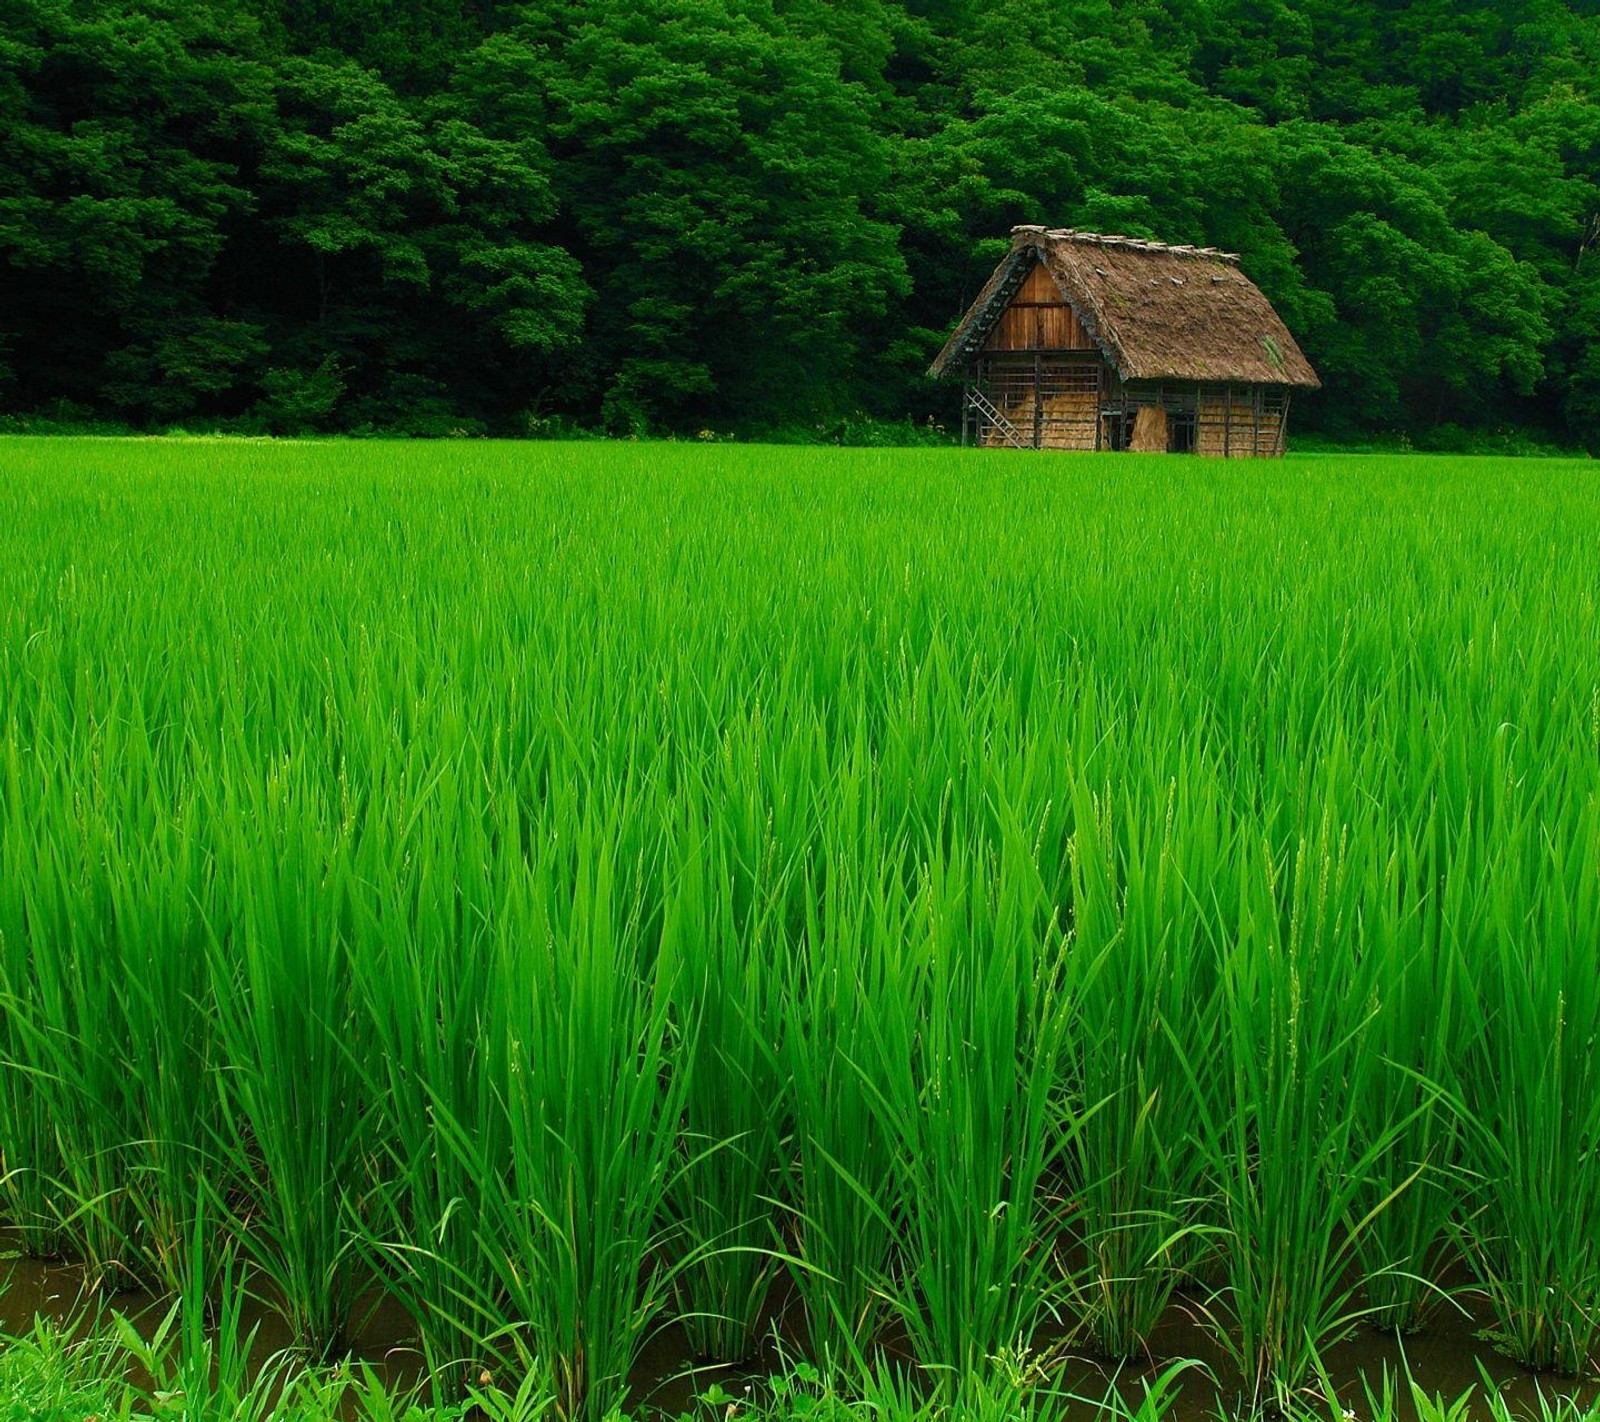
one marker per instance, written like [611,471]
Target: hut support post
[1038,402]
[1283,428]
[966,408]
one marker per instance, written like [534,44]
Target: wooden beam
[1038,401]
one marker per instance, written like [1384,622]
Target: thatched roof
[1157,312]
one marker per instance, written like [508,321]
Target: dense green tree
[1422,310]
[119,185]
[413,43]
[435,215]
[1259,54]
[403,244]
[715,166]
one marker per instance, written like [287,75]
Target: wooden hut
[1086,341]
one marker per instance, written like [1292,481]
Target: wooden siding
[1045,402]
[1038,319]
[1070,420]
[1062,400]
[1240,422]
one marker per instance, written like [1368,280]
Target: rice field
[917,914]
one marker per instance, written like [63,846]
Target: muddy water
[30,1288]
[1445,1357]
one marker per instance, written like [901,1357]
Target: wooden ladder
[985,406]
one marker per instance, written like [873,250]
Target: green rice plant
[159,900]
[1011,1387]
[423,963]
[1384,1404]
[1549,1409]
[1405,1089]
[1284,1147]
[533,1398]
[976,1108]
[67,1002]
[71,1372]
[1142,1006]
[1016,1388]
[200,1373]
[294,1105]
[1390,1401]
[30,1148]
[1159,1396]
[727,974]
[853,1013]
[110,999]
[579,1045]
[1534,1092]
[200,1365]
[364,721]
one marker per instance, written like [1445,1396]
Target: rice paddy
[923,914]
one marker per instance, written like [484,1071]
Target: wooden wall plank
[1038,319]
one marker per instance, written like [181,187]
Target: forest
[760,218]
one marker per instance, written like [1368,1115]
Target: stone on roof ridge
[1118,239]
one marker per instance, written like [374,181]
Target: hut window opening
[1182,432]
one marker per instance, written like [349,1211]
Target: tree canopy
[765,215]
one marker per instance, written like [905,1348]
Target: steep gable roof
[1157,312]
